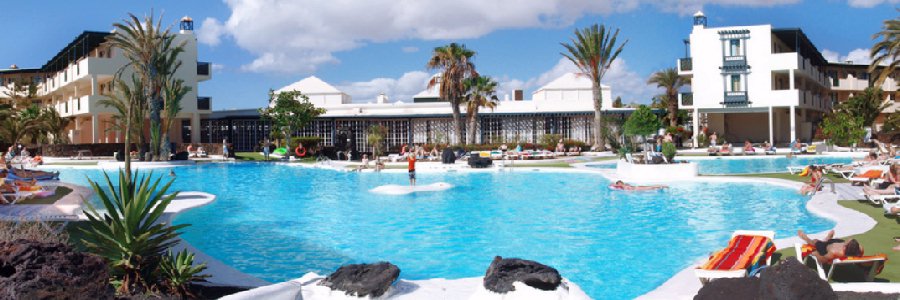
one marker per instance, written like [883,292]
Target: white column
[195,128]
[791,79]
[95,124]
[118,134]
[696,126]
[93,85]
[793,124]
[771,129]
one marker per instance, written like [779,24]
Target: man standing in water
[411,158]
[266,149]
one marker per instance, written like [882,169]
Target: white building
[848,79]
[563,106]
[82,73]
[754,82]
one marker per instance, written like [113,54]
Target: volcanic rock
[35,270]
[503,272]
[363,280]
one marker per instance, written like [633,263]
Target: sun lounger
[747,253]
[795,169]
[874,262]
[888,202]
[867,177]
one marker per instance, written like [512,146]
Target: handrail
[822,181]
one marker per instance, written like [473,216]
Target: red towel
[743,252]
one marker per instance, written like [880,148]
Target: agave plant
[130,233]
[177,271]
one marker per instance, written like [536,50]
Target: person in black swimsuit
[831,248]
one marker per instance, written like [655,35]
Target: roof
[19,71]
[570,81]
[796,39]
[433,92]
[310,86]
[83,44]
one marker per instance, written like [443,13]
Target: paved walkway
[846,191]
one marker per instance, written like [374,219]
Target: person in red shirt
[411,158]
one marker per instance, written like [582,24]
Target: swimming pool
[749,165]
[278,222]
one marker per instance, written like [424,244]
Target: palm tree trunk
[460,134]
[155,128]
[673,110]
[599,122]
[473,118]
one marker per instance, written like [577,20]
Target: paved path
[846,191]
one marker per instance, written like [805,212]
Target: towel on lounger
[744,252]
[870,174]
[806,249]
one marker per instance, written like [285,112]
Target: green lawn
[60,192]
[836,178]
[875,241]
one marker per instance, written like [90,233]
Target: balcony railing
[736,98]
[687,99]
[203,68]
[204,103]
[686,64]
[734,61]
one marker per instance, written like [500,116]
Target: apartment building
[848,79]
[754,82]
[82,73]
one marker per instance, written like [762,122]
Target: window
[864,76]
[735,47]
[735,83]
[835,81]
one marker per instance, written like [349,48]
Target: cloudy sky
[366,47]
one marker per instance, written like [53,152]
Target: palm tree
[173,93]
[669,80]
[886,51]
[455,63]
[148,48]
[131,107]
[54,126]
[593,50]
[481,92]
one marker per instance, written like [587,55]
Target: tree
[173,92]
[593,50]
[481,92]
[642,122]
[131,106]
[887,51]
[21,125]
[866,105]
[151,54]
[376,136]
[843,129]
[671,82]
[289,111]
[54,129]
[618,102]
[455,63]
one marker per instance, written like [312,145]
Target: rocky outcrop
[35,270]
[363,280]
[788,279]
[503,272]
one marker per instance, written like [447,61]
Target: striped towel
[744,252]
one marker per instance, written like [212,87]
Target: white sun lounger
[876,263]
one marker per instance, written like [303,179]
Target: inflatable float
[394,189]
[280,151]
[43,176]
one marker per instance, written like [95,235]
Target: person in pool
[815,175]
[831,248]
[620,185]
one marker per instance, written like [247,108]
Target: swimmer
[619,185]
[171,173]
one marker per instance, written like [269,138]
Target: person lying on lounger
[890,186]
[831,248]
[622,186]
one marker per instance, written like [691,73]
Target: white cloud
[218,67]
[870,3]
[402,88]
[410,49]
[624,82]
[300,35]
[858,56]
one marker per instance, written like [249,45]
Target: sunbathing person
[831,248]
[815,175]
[748,147]
[890,185]
[622,186]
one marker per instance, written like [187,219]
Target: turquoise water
[278,222]
[739,165]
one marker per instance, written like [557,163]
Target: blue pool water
[736,165]
[278,222]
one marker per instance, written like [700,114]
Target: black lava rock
[363,280]
[503,272]
[35,270]
[730,288]
[792,280]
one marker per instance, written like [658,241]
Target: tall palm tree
[886,51]
[455,63]
[174,91]
[148,48]
[131,107]
[54,126]
[481,92]
[593,50]
[669,80]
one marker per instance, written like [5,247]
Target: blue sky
[373,46]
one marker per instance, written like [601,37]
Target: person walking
[412,169]
[225,149]
[266,149]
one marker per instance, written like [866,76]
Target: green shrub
[549,141]
[130,233]
[668,150]
[702,140]
[642,122]
[177,271]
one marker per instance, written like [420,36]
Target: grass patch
[61,191]
[875,241]
[788,176]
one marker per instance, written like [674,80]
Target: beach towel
[806,249]
[744,252]
[871,174]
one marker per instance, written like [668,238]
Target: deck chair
[874,262]
[888,202]
[795,169]
[868,176]
[747,253]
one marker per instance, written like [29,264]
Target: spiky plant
[177,272]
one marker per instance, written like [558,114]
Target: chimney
[518,95]
[381,99]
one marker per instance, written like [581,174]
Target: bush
[668,150]
[549,141]
[177,271]
[702,140]
[642,122]
[308,142]
[11,231]
[574,143]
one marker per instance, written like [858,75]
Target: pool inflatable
[42,177]
[280,151]
[394,189]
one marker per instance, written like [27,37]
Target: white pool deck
[683,285]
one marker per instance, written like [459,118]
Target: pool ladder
[823,181]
